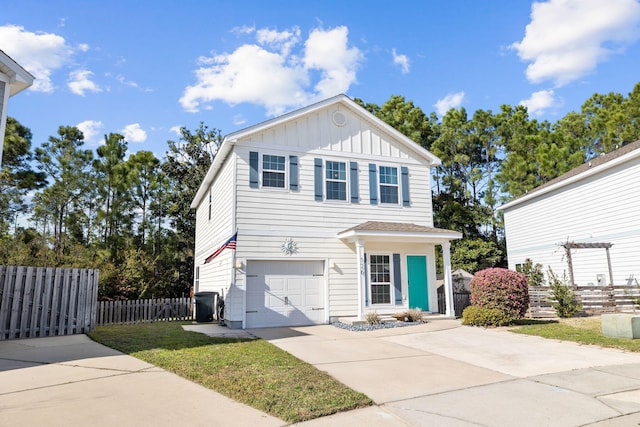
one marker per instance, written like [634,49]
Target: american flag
[229,244]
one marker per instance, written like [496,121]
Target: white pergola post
[448,283]
[361,277]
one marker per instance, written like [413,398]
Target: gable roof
[591,167]
[20,79]
[229,141]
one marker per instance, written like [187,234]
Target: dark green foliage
[562,296]
[475,315]
[535,276]
[475,254]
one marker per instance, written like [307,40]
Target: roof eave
[597,169]
[404,236]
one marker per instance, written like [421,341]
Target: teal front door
[418,284]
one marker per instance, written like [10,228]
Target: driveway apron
[444,374]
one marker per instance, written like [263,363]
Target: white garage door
[284,293]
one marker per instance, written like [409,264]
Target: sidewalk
[73,381]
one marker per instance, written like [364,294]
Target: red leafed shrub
[502,289]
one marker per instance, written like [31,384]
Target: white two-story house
[333,214]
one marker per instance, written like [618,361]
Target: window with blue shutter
[397,279]
[373,184]
[406,199]
[253,169]
[293,173]
[353,176]
[317,174]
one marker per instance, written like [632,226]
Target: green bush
[481,316]
[535,276]
[563,299]
[501,289]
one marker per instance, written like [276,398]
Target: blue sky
[145,68]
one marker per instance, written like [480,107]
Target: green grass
[580,330]
[253,372]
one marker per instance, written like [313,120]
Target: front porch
[396,266]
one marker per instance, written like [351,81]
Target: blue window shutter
[373,184]
[253,169]
[318,178]
[406,200]
[397,278]
[293,173]
[353,166]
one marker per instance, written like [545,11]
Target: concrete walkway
[73,381]
[444,374]
[436,374]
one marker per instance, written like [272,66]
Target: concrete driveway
[73,381]
[444,374]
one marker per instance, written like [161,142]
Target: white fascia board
[598,169]
[432,159]
[19,78]
[221,156]
[380,236]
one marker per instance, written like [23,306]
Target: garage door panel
[284,293]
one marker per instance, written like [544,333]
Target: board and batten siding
[211,233]
[602,208]
[267,216]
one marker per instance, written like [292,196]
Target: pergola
[575,245]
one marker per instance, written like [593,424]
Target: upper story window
[273,171]
[336,180]
[388,185]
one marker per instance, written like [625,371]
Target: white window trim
[397,185]
[392,293]
[261,170]
[347,182]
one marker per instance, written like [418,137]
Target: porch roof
[397,231]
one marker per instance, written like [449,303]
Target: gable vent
[339,118]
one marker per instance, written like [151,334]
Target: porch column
[448,283]
[361,278]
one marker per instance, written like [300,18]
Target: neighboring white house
[333,214]
[13,79]
[589,217]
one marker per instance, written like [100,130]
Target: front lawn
[253,372]
[583,330]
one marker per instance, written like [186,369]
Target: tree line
[130,216]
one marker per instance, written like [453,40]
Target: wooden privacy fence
[461,300]
[41,301]
[594,300]
[144,310]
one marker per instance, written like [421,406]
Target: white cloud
[80,82]
[271,75]
[539,101]
[122,80]
[453,100]
[244,29]
[39,53]
[282,41]
[401,60]
[239,119]
[83,47]
[134,133]
[176,130]
[90,129]
[566,39]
